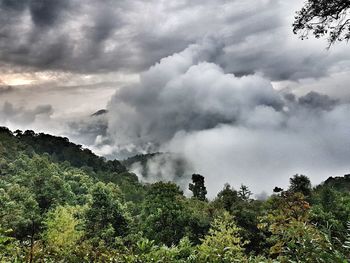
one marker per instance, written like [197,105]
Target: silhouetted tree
[277,189]
[197,187]
[244,193]
[300,184]
[227,197]
[324,18]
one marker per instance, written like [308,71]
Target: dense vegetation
[61,203]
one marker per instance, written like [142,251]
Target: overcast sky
[224,84]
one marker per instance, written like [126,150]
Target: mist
[235,129]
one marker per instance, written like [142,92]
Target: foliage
[300,184]
[105,217]
[293,237]
[324,18]
[223,243]
[61,203]
[164,218]
[63,230]
[9,247]
[347,241]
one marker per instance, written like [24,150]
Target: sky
[224,85]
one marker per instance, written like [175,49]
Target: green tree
[223,243]
[105,217]
[330,211]
[201,214]
[227,198]
[293,237]
[20,213]
[62,232]
[164,217]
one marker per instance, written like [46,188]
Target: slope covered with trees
[61,203]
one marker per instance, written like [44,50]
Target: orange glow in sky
[16,79]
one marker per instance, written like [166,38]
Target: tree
[201,213]
[301,184]
[244,193]
[324,18]
[62,231]
[197,187]
[105,217]
[223,243]
[19,211]
[277,189]
[293,237]
[164,218]
[227,197]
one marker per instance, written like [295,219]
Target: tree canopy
[329,18]
[54,210]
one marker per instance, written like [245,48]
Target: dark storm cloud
[43,13]
[17,5]
[46,12]
[315,100]
[102,36]
[48,34]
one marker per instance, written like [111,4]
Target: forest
[60,202]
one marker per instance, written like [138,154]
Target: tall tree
[244,193]
[164,218]
[197,187]
[105,217]
[301,184]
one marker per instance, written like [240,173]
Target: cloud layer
[224,84]
[107,36]
[231,129]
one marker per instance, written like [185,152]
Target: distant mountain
[99,113]
[140,158]
[60,149]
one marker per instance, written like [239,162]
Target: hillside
[60,202]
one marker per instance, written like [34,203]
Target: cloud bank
[87,36]
[235,129]
[10,114]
